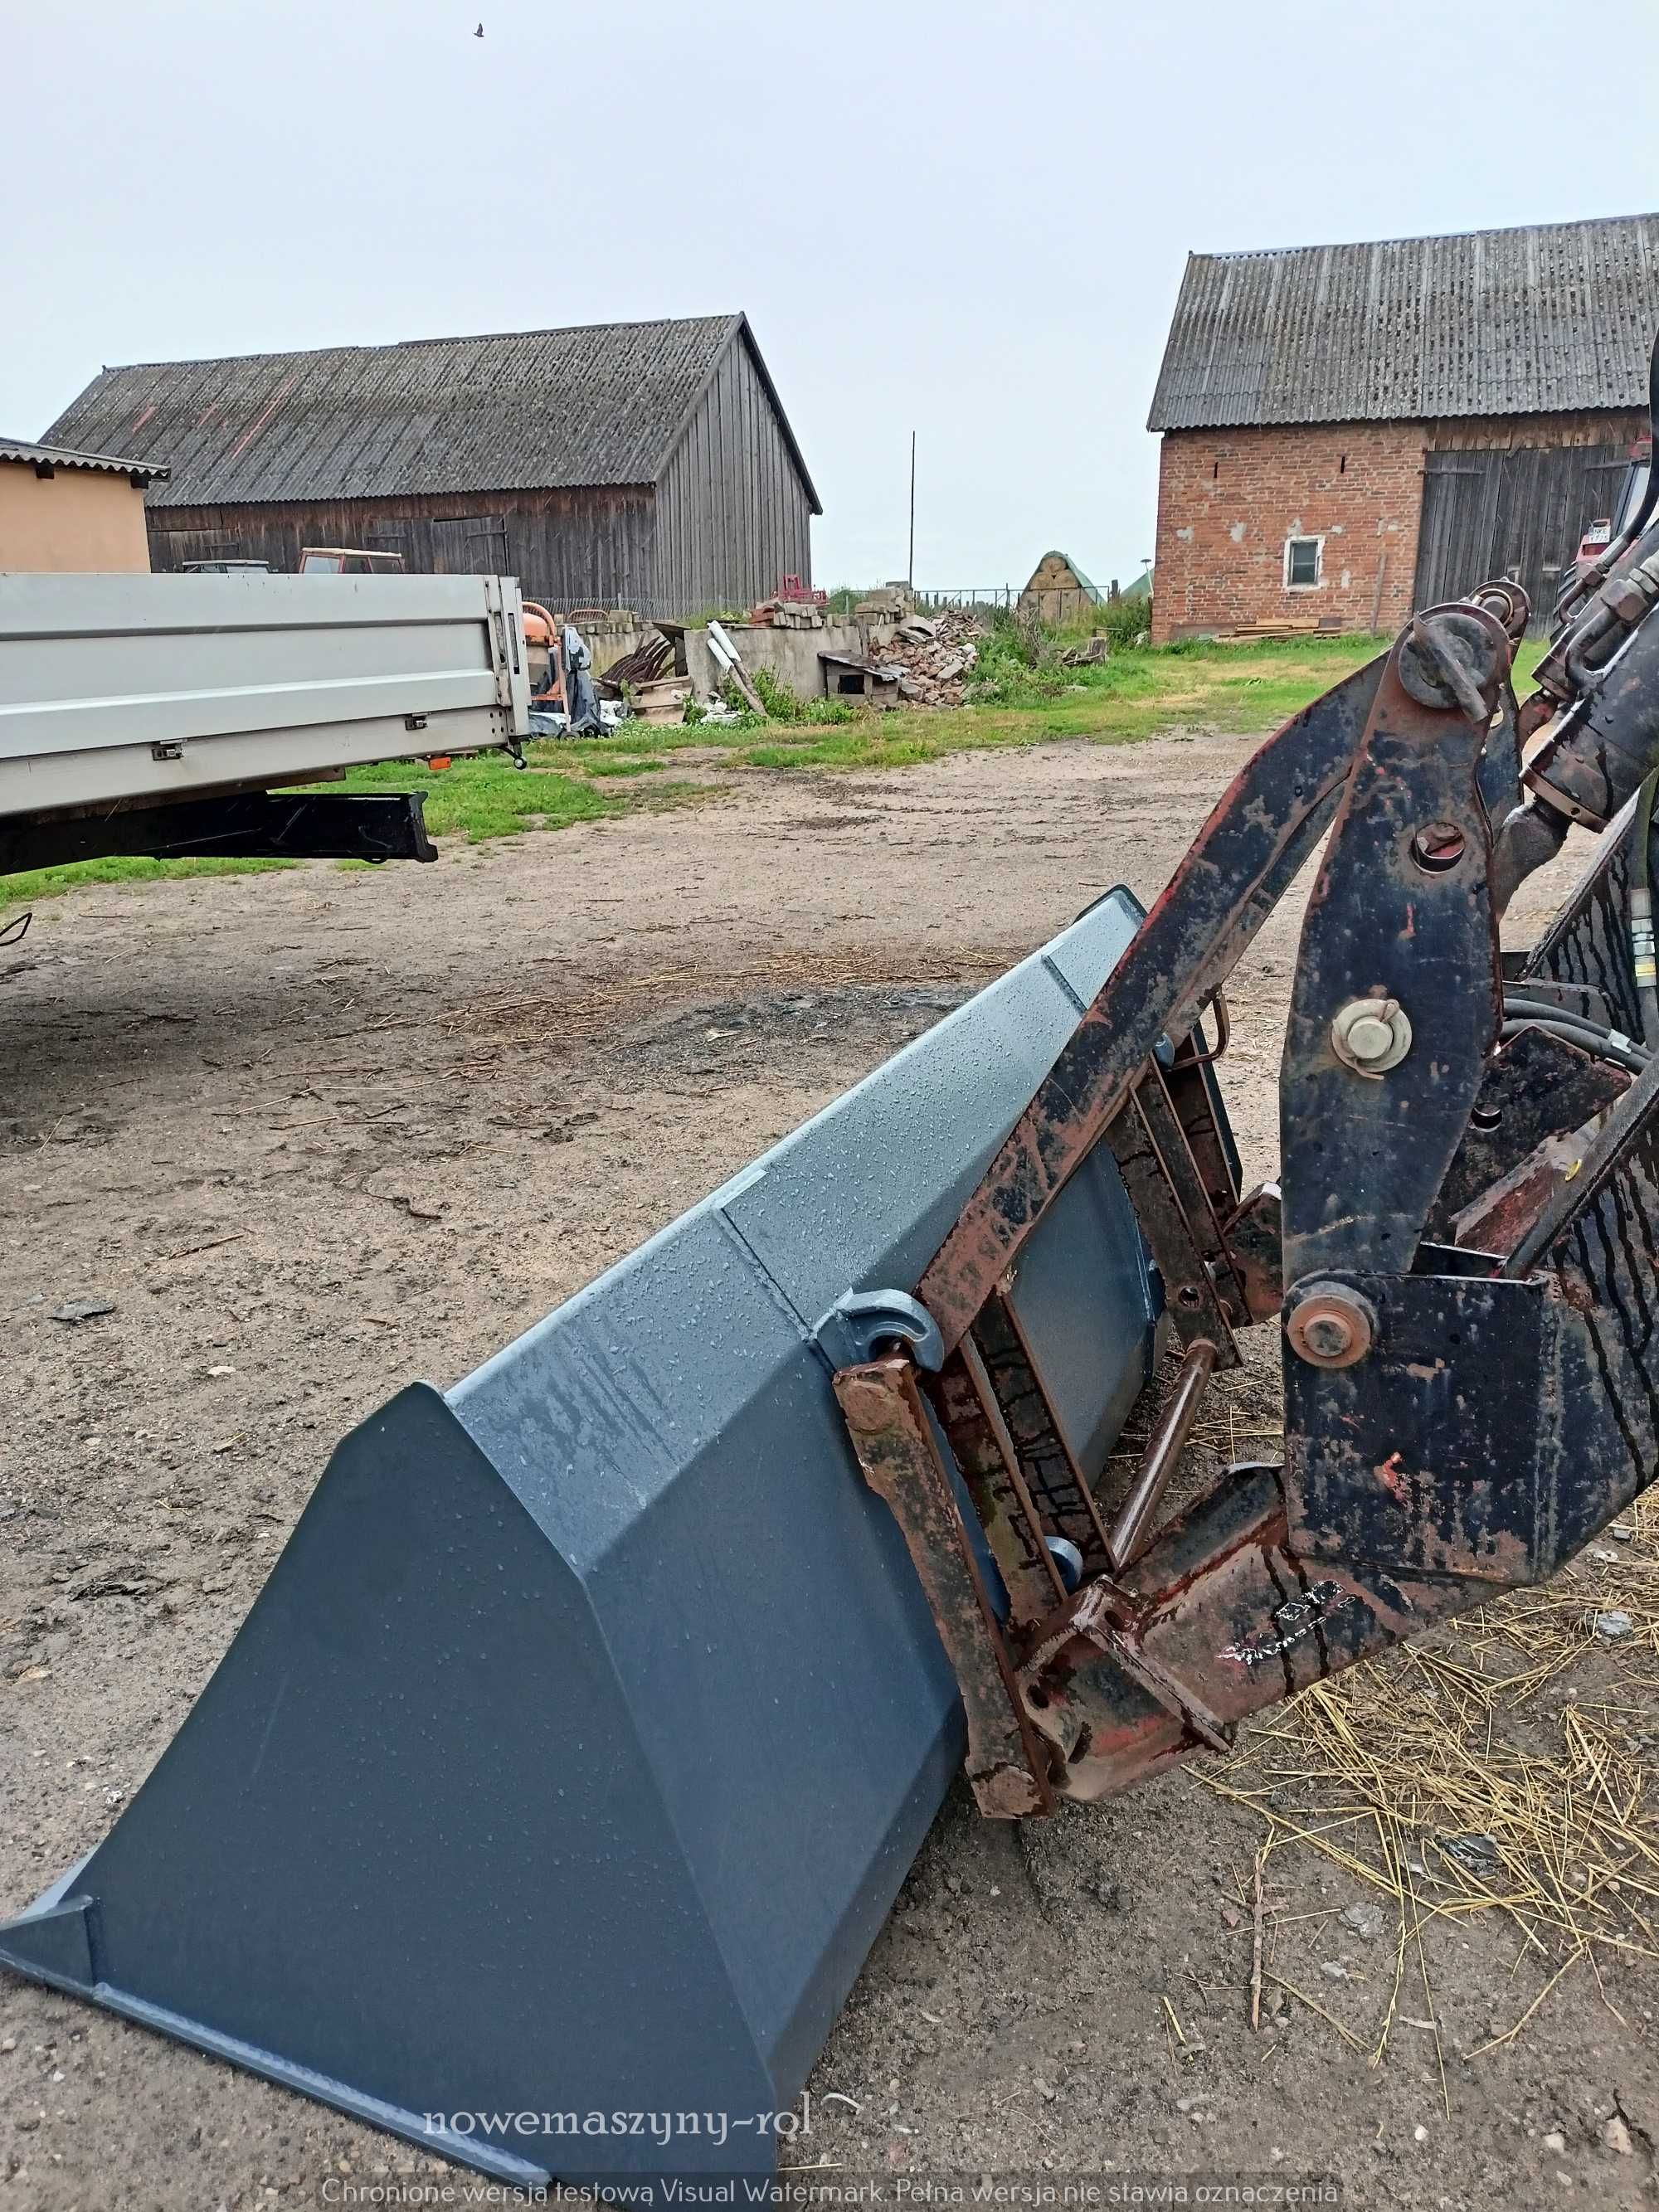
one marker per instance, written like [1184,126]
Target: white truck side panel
[124,688]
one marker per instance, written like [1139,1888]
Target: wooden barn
[638,465]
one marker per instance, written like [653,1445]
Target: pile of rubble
[932,656]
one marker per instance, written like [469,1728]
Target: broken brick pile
[933,656]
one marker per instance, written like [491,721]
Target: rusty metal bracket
[1535,1083]
[1177,1218]
[977,1432]
[896,1450]
[1373,1102]
[1255,1248]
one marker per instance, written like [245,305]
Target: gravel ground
[314,1135]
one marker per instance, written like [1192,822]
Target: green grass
[30,886]
[619,766]
[488,797]
[1132,696]
[1237,689]
[1243,688]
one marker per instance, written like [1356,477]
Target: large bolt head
[1327,1337]
[1372,1035]
[1369,1038]
[1450,659]
[1630,597]
[1331,1326]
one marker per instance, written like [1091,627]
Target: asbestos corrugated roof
[1554,316]
[69,456]
[514,411]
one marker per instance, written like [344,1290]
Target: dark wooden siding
[730,517]
[1518,512]
[566,548]
[733,517]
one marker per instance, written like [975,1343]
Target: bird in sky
[478,33]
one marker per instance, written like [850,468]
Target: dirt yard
[315,1135]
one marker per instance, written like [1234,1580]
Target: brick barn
[641,464]
[1352,431]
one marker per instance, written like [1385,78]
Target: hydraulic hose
[1591,770]
[1622,1056]
[1577,588]
[1641,907]
[1519,1005]
[1644,514]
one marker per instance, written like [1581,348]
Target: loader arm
[1459,1252]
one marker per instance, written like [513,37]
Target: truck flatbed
[130,692]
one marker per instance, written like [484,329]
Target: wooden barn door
[1459,527]
[1519,514]
[469,545]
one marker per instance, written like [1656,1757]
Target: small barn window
[1302,562]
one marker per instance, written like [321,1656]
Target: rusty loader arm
[1459,1254]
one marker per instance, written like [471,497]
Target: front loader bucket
[555,1788]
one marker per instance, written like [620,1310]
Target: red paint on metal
[1392,1476]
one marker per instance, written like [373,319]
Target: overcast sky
[965,218]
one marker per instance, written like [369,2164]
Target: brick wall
[1228,500]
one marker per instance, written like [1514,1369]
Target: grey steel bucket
[573,1753]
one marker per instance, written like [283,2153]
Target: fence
[972,595]
[1062,607]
